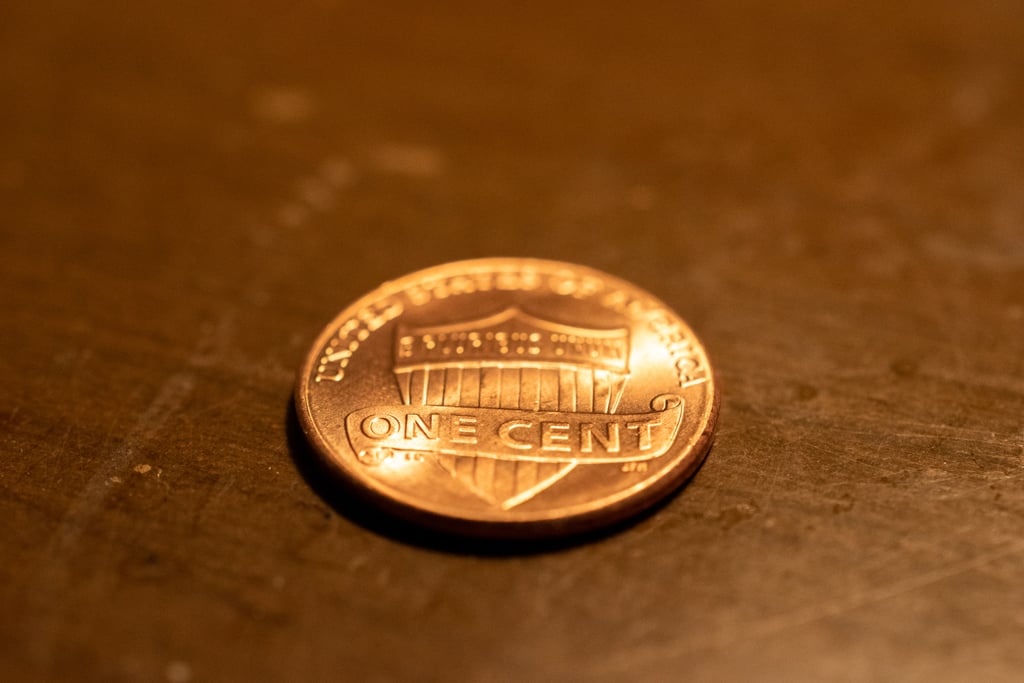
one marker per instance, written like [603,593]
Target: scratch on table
[167,402]
[946,437]
[54,576]
[71,385]
[990,438]
[804,616]
[774,478]
[984,486]
[212,499]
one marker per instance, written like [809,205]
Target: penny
[506,397]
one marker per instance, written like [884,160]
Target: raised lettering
[380,426]
[609,441]
[554,436]
[463,429]
[505,434]
[414,426]
[643,432]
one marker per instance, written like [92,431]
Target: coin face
[509,398]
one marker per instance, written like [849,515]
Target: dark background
[831,193]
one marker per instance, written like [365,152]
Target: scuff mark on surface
[420,161]
[282,104]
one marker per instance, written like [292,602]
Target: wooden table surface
[831,193]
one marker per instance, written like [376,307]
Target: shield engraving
[516,361]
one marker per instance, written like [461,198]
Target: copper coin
[509,397]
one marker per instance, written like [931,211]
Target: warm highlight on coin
[509,397]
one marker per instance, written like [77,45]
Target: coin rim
[625,503]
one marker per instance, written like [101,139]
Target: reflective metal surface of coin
[509,397]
